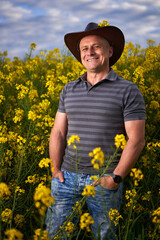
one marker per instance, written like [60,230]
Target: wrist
[116,178]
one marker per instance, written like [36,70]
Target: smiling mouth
[92,59]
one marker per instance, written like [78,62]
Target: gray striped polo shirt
[97,114]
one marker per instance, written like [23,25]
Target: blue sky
[45,22]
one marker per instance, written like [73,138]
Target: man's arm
[57,144]
[136,141]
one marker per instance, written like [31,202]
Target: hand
[58,174]
[107,182]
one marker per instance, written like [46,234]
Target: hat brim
[113,34]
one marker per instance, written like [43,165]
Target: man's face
[95,53]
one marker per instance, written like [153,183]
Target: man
[96,107]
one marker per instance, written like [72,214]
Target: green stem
[76,173]
[109,162]
[15,194]
[128,222]
[19,172]
[78,234]
[0,221]
[2,157]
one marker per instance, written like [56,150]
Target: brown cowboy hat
[111,33]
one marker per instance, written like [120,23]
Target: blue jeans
[66,194]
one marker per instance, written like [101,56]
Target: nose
[90,51]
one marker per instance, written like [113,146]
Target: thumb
[95,183]
[61,178]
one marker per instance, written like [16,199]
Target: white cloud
[102,4]
[133,7]
[11,12]
[155,3]
[46,22]
[53,12]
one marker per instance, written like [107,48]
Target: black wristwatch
[116,178]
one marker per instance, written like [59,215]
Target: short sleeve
[61,106]
[133,104]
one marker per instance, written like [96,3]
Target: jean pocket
[108,189]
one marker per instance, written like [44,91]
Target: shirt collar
[112,76]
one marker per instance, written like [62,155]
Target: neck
[93,77]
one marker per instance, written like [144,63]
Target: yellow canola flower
[40,234]
[3,139]
[89,191]
[114,216]
[21,140]
[32,115]
[33,46]
[3,134]
[95,178]
[23,91]
[156,216]
[146,196]
[73,139]
[42,198]
[98,157]
[2,98]
[52,167]
[131,197]
[44,178]
[18,115]
[137,175]
[50,85]
[4,190]
[48,121]
[153,146]
[19,220]
[138,72]
[69,227]
[45,162]
[7,215]
[85,221]
[13,234]
[154,105]
[32,179]
[44,105]
[78,206]
[104,23]
[145,161]
[64,79]
[33,94]
[19,190]
[120,141]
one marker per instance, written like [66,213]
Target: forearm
[56,148]
[129,157]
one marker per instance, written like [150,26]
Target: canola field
[29,94]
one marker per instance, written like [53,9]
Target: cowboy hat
[112,34]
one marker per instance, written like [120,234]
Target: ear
[110,51]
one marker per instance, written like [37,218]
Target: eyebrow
[92,44]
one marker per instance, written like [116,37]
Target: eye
[84,49]
[97,46]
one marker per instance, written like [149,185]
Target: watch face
[117,179]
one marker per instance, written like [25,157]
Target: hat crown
[91,26]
